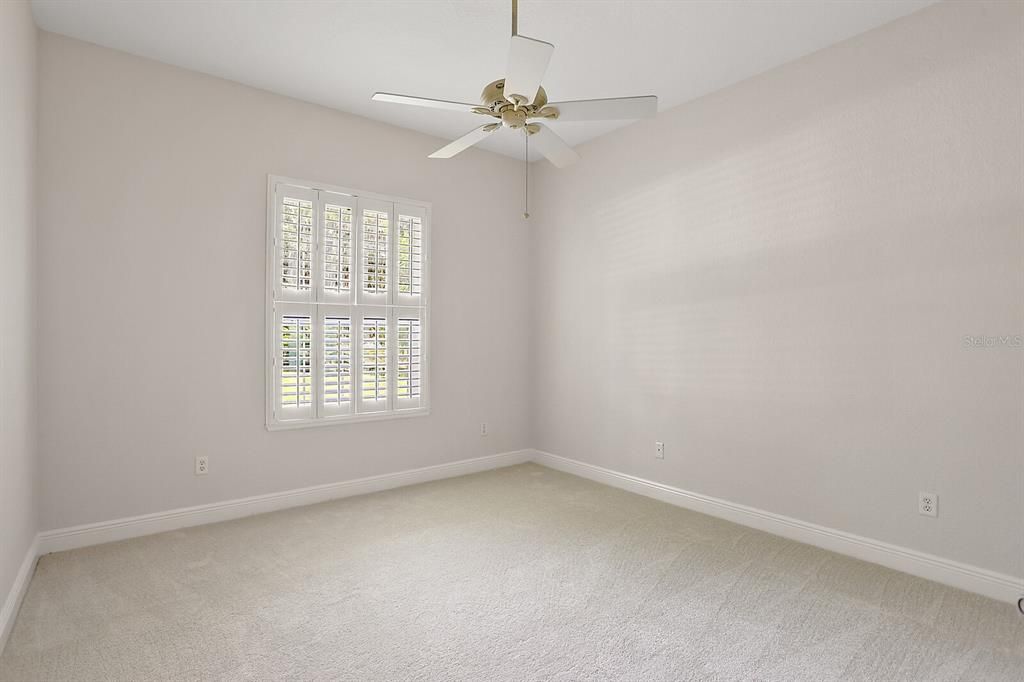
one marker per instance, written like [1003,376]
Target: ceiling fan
[518,102]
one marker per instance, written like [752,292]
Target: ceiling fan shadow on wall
[518,102]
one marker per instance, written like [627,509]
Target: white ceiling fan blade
[527,63]
[422,102]
[464,142]
[613,108]
[553,147]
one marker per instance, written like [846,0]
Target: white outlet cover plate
[928,504]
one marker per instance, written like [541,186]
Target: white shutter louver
[295,372]
[408,379]
[374,360]
[337,364]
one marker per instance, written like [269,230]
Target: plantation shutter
[410,259]
[374,361]
[336,362]
[339,216]
[410,374]
[295,243]
[347,303]
[294,381]
[375,237]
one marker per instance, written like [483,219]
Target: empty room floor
[518,573]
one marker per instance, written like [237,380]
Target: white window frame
[356,304]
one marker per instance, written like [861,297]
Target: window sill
[346,419]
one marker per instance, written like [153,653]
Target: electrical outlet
[483,428]
[928,504]
[202,465]
[659,450]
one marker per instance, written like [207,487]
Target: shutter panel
[374,370]
[410,254]
[295,210]
[294,361]
[336,246]
[409,360]
[376,225]
[375,237]
[337,364]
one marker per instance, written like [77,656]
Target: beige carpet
[517,574]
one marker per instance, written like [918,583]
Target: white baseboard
[952,573]
[963,576]
[9,609]
[159,522]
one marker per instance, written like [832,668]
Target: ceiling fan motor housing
[512,116]
[493,95]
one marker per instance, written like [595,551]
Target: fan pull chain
[526,197]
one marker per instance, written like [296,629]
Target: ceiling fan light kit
[517,102]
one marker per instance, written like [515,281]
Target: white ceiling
[339,53]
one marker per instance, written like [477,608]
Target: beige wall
[775,280]
[17,295]
[152,218]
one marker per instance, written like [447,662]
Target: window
[347,304]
